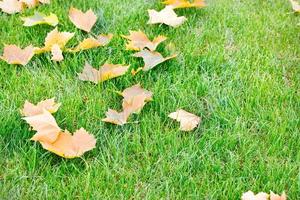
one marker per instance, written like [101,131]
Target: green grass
[238,68]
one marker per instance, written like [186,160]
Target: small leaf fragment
[30,109]
[13,54]
[274,196]
[188,121]
[40,18]
[139,40]
[151,59]
[84,21]
[166,16]
[56,53]
[251,196]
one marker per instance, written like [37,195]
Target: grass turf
[238,68]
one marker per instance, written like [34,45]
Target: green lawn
[237,68]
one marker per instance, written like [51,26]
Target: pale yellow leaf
[13,54]
[71,146]
[188,121]
[11,6]
[84,21]
[40,18]
[45,125]
[166,16]
[151,59]
[30,109]
[138,41]
[56,53]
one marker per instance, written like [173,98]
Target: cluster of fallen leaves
[16,6]
[263,196]
[50,135]
[55,41]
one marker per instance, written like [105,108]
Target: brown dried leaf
[166,16]
[84,21]
[30,109]
[138,41]
[15,55]
[188,121]
[151,59]
[71,146]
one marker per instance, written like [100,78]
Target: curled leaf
[13,54]
[90,43]
[84,21]
[45,125]
[114,117]
[138,41]
[151,59]
[40,18]
[71,146]
[166,16]
[185,3]
[30,109]
[188,121]
[11,6]
[106,72]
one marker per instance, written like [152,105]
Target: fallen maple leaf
[274,196]
[55,38]
[295,5]
[166,16]
[45,125]
[118,118]
[90,43]
[71,146]
[188,121]
[56,53]
[138,41]
[13,54]
[135,98]
[151,59]
[11,6]
[185,3]
[106,72]
[30,109]
[84,21]
[40,18]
